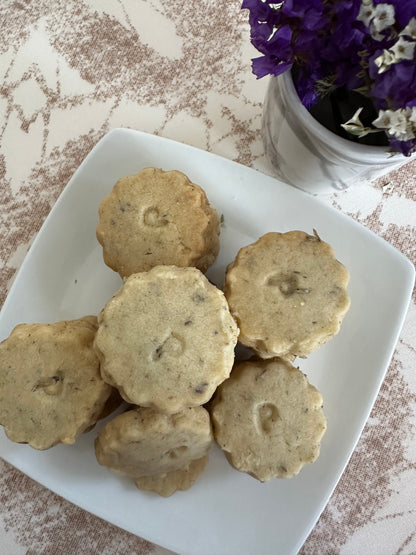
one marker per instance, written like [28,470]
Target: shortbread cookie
[175,480]
[166,339]
[160,452]
[154,218]
[51,389]
[288,294]
[268,419]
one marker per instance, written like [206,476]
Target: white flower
[407,135]
[376,18]
[392,120]
[412,114]
[383,17]
[366,13]
[396,123]
[410,29]
[384,120]
[356,127]
[384,61]
[403,49]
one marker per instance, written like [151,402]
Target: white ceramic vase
[303,153]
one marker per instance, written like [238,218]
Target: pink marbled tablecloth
[70,72]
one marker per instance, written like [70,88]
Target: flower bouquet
[354,59]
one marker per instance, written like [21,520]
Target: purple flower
[305,88]
[405,147]
[339,43]
[279,44]
[398,85]
[267,65]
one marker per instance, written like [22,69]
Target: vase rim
[322,133]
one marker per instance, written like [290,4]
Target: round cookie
[166,339]
[161,453]
[51,389]
[155,218]
[268,419]
[288,294]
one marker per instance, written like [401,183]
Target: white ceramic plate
[226,512]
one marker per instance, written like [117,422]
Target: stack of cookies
[165,345]
[166,339]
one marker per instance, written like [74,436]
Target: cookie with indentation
[154,218]
[161,453]
[51,388]
[288,294]
[166,339]
[268,419]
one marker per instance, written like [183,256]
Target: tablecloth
[70,72]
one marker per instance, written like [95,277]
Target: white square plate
[225,512]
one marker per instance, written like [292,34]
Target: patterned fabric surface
[70,72]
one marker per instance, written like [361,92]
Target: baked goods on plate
[166,339]
[157,217]
[288,294]
[268,419]
[51,388]
[161,453]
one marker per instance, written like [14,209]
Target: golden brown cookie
[51,389]
[268,419]
[166,339]
[161,453]
[288,294]
[154,218]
